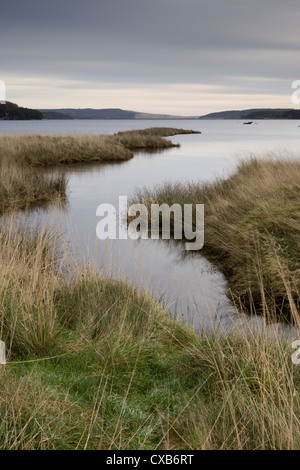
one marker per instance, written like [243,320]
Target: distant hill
[259,113]
[274,114]
[56,115]
[117,113]
[110,113]
[12,112]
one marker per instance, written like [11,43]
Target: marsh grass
[150,139]
[23,185]
[37,150]
[28,260]
[95,364]
[252,231]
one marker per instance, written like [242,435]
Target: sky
[184,57]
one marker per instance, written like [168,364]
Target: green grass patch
[95,364]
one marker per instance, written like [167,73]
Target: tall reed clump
[28,260]
[252,230]
[95,364]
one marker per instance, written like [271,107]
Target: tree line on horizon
[12,112]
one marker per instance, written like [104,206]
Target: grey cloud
[139,41]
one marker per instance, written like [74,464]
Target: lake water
[190,286]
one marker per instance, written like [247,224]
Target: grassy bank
[36,150]
[252,231]
[22,185]
[95,364]
[150,139]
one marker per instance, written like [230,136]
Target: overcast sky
[184,57]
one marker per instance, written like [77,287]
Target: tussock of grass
[252,230]
[110,370]
[27,282]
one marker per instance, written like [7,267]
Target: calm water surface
[190,286]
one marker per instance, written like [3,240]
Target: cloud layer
[183,57]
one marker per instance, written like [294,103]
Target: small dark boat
[250,122]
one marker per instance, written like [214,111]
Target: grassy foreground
[94,364]
[252,231]
[21,184]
